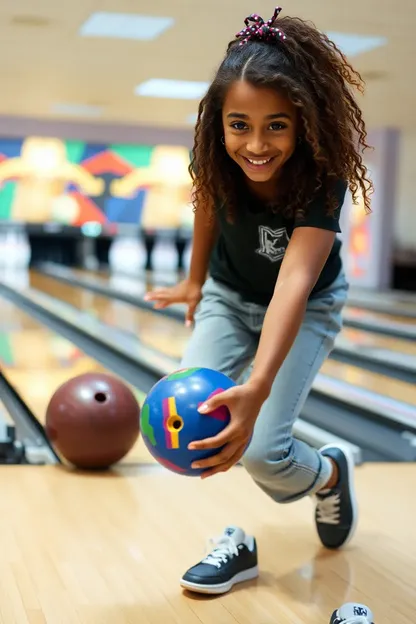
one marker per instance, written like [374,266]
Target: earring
[222,140]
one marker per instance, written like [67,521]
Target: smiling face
[259,133]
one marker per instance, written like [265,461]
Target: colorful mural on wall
[48,179]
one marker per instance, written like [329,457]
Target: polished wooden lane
[389,295]
[375,382]
[362,338]
[377,317]
[139,286]
[110,549]
[390,301]
[170,336]
[154,330]
[36,361]
[357,336]
[386,307]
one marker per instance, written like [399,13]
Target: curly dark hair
[315,75]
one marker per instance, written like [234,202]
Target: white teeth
[259,162]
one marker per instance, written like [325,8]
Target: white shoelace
[327,511]
[224,548]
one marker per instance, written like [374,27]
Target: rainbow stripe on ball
[169,413]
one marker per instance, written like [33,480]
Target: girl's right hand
[186,292]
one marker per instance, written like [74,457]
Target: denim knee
[280,472]
[265,465]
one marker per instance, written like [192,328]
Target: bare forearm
[204,236]
[281,325]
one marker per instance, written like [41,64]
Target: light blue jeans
[225,338]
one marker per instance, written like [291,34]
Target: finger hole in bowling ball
[175,423]
[100,397]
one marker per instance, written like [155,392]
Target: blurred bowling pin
[164,258]
[15,249]
[25,251]
[127,255]
[16,278]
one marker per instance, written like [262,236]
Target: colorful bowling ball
[93,420]
[170,419]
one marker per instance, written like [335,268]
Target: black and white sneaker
[232,560]
[352,613]
[336,509]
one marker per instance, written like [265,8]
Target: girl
[277,143]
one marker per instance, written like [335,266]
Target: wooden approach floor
[79,548]
[110,549]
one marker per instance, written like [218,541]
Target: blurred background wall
[99,104]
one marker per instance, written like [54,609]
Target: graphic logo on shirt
[273,243]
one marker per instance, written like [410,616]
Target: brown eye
[238,125]
[278,126]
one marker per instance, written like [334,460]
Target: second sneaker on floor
[233,559]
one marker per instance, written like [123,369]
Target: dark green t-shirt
[249,252]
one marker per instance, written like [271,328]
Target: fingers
[219,458]
[161,298]
[189,317]
[222,398]
[224,467]
[226,435]
[157,295]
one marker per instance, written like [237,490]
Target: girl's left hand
[244,403]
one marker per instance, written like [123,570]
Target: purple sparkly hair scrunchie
[261,30]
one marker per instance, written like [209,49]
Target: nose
[257,144]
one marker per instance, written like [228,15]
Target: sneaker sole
[221,588]
[354,503]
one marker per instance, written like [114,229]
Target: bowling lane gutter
[28,432]
[375,427]
[394,364]
[392,308]
[392,296]
[11,449]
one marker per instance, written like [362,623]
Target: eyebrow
[243,116]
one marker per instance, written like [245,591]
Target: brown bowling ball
[93,420]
